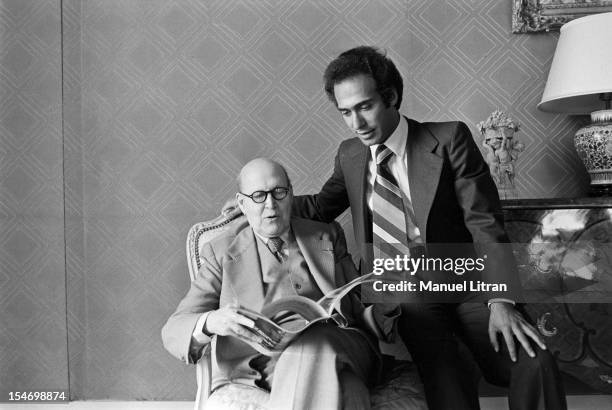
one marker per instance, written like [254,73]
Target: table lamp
[580,82]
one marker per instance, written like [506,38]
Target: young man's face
[364,110]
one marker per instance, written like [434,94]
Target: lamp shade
[581,68]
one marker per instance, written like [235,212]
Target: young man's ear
[392,97]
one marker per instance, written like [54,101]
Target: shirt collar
[285,236]
[397,140]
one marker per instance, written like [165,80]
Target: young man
[413,183]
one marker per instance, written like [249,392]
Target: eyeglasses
[277,193]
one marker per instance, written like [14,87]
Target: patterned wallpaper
[32,268]
[163,101]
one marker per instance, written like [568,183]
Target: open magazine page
[277,336]
[282,320]
[330,301]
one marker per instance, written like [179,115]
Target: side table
[563,249]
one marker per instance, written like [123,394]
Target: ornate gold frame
[530,16]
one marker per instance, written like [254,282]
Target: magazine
[281,321]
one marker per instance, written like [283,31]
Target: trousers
[431,332]
[327,368]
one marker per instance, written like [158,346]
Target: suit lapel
[243,271]
[424,168]
[318,253]
[359,155]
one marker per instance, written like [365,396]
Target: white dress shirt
[398,165]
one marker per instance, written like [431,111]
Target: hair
[369,61]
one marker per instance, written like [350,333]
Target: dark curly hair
[369,61]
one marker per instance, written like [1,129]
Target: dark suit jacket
[454,197]
[231,272]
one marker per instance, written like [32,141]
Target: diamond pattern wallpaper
[33,346]
[123,122]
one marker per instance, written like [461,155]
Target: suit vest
[290,277]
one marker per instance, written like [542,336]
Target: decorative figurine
[501,150]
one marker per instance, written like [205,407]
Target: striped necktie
[275,245]
[388,213]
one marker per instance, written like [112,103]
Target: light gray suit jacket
[231,273]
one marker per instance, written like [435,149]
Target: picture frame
[529,16]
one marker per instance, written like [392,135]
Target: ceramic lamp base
[594,146]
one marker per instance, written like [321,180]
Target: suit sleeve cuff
[491,301]
[368,319]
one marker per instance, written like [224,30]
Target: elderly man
[256,263]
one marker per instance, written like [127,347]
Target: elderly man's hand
[227,321]
[505,319]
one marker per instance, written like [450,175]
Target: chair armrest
[203,377]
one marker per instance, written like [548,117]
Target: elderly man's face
[271,217]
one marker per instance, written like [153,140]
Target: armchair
[230,397]
[402,388]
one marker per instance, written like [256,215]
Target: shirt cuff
[500,300]
[198,332]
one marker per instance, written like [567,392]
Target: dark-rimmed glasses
[277,193]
